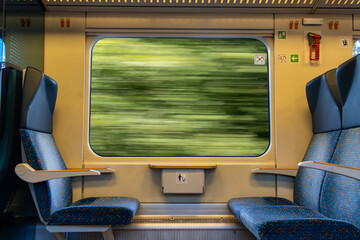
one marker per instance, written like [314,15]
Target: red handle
[315,52]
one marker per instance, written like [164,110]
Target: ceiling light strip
[233,3]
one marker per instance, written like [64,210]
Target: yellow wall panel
[67,61]
[293,119]
[64,62]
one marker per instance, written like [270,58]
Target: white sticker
[259,59]
[345,42]
[282,58]
[182,177]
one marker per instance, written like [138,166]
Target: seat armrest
[100,170]
[334,168]
[290,172]
[29,174]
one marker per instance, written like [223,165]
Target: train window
[179,97]
[2,51]
[356,48]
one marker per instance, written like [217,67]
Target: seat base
[60,229]
[294,222]
[236,204]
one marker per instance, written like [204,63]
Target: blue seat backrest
[324,102]
[340,197]
[325,108]
[348,74]
[38,102]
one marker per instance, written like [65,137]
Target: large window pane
[179,97]
[356,48]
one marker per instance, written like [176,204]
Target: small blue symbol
[181,177]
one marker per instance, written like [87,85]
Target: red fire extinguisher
[314,43]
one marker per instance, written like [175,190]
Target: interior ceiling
[246,6]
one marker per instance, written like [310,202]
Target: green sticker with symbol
[294,58]
[281,34]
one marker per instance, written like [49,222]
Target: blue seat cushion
[97,211]
[294,222]
[236,204]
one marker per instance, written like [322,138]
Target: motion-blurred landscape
[179,97]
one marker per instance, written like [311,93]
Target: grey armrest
[291,172]
[334,168]
[29,174]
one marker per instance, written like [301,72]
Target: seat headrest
[348,78]
[323,99]
[38,101]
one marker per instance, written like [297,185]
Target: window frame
[90,156]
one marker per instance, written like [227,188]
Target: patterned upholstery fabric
[309,181]
[42,154]
[54,197]
[98,211]
[340,197]
[236,204]
[294,223]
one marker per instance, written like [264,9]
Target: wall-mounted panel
[293,70]
[97,21]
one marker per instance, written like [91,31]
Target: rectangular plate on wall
[182,178]
[183,181]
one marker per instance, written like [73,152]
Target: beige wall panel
[357,22]
[64,62]
[133,177]
[293,120]
[65,58]
[182,21]
[139,181]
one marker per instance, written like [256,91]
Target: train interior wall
[63,54]
[291,123]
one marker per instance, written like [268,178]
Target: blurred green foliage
[179,97]
[356,48]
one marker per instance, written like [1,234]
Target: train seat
[321,101]
[313,216]
[340,197]
[53,195]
